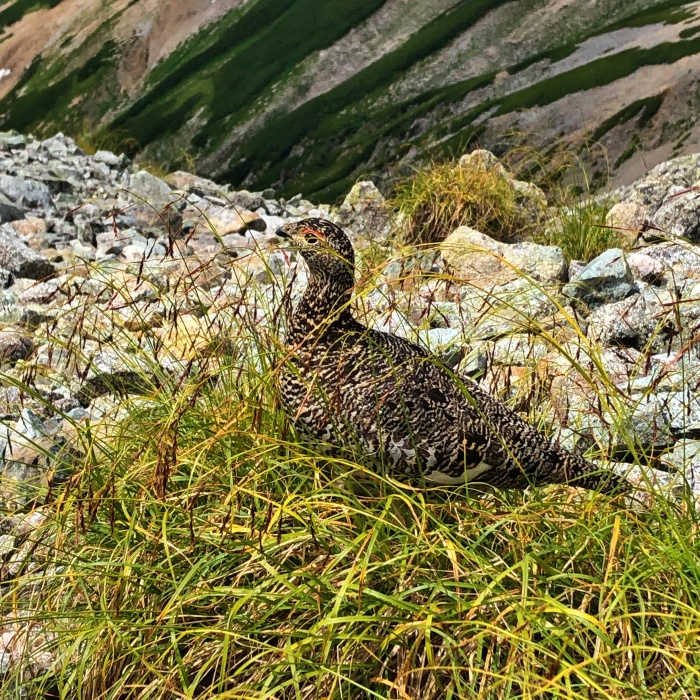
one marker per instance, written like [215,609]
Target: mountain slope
[306,95]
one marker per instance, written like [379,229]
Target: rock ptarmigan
[389,403]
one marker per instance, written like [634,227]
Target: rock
[30,523]
[9,211]
[15,345]
[647,426]
[517,350]
[530,200]
[649,481]
[606,278]
[11,139]
[629,218]
[679,215]
[115,371]
[31,229]
[25,192]
[653,189]
[7,546]
[109,159]
[485,263]
[685,458]
[61,146]
[17,259]
[149,189]
[28,464]
[364,212]
[447,343]
[684,410]
[575,267]
[224,220]
[10,312]
[644,267]
[636,321]
[678,260]
[482,159]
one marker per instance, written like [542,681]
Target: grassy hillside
[213,99]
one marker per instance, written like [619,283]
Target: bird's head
[325,247]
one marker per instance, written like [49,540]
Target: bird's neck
[323,308]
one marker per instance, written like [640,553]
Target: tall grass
[440,197]
[201,551]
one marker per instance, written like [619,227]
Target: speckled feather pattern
[384,400]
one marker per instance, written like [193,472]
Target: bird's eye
[312,237]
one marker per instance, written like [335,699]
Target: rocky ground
[114,281]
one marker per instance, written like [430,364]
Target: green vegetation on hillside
[16,9]
[225,72]
[641,110]
[260,47]
[314,124]
[54,101]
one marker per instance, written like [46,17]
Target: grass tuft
[440,197]
[580,230]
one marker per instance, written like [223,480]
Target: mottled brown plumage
[388,402]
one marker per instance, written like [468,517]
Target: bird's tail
[578,471]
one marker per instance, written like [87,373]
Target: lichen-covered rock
[485,263]
[226,220]
[679,215]
[637,321]
[629,218]
[606,278]
[679,260]
[364,211]
[18,260]
[142,186]
[652,190]
[9,211]
[25,192]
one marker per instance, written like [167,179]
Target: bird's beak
[282,233]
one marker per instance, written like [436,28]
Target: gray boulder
[606,278]
[26,192]
[19,260]
[9,211]
[11,139]
[635,321]
[146,188]
[485,262]
[364,211]
[652,190]
[679,215]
